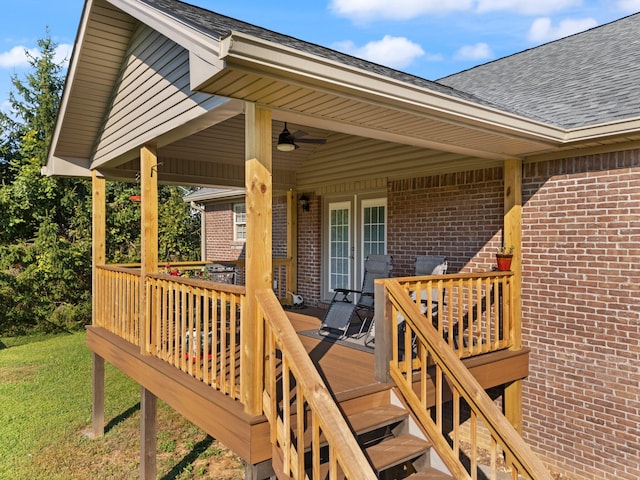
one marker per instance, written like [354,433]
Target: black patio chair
[344,307]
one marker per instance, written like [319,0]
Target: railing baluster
[449,371]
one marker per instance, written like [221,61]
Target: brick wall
[581,313]
[456,215]
[309,251]
[219,236]
[581,282]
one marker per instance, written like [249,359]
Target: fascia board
[66,167]
[623,127]
[205,46]
[249,52]
[64,101]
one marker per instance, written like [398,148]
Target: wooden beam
[148,434]
[259,203]
[149,233]
[512,233]
[292,241]
[98,253]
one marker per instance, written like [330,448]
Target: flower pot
[504,261]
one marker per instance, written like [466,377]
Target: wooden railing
[301,411]
[195,326]
[281,275]
[117,299]
[472,312]
[421,357]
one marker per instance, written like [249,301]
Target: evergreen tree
[45,223]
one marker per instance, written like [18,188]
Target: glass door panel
[340,245]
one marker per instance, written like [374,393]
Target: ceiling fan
[287,140]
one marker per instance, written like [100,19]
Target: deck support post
[148,235]
[259,265]
[98,253]
[512,235]
[97,410]
[148,434]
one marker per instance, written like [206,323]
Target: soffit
[104,34]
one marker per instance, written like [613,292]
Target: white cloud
[395,10]
[543,31]
[63,54]
[630,6]
[395,52]
[526,7]
[479,51]
[17,57]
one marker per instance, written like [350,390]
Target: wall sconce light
[304,203]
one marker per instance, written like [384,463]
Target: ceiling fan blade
[318,141]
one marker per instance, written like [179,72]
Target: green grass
[45,413]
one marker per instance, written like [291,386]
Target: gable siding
[152,95]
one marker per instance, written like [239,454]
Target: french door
[356,228]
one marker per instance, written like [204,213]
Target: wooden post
[149,235]
[292,241]
[148,434]
[383,346]
[512,232]
[98,252]
[259,265]
[97,411]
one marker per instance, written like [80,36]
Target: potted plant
[504,256]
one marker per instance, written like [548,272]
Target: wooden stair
[395,454]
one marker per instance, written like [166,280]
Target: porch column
[148,234]
[259,270]
[512,233]
[98,253]
[292,241]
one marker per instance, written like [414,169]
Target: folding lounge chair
[342,309]
[424,265]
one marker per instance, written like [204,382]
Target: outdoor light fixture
[304,203]
[286,141]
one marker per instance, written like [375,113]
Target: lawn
[45,394]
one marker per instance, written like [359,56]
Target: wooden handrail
[291,383]
[423,346]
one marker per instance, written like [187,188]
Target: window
[239,222]
[355,228]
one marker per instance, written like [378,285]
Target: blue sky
[428,38]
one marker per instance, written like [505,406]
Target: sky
[427,38]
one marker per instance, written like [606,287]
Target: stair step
[430,474]
[369,420]
[397,450]
[374,418]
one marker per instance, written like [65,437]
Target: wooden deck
[348,373]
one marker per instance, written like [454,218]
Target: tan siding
[153,92]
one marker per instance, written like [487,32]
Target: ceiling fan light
[285,141]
